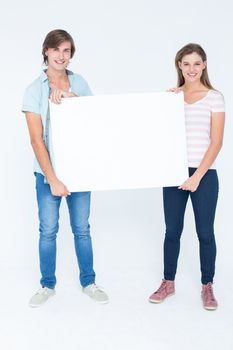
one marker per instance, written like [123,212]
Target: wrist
[197,176]
[52,180]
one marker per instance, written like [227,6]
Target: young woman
[204,115]
[56,82]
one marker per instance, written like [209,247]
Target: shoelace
[161,288]
[42,291]
[209,292]
[95,287]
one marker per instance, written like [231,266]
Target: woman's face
[59,57]
[192,67]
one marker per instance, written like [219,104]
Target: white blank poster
[119,141]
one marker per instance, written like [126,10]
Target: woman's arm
[36,135]
[216,137]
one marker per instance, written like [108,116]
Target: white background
[122,46]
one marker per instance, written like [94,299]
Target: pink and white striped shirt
[198,123]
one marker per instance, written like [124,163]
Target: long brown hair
[53,39]
[187,50]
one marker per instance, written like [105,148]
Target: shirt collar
[44,77]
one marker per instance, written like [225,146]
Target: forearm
[208,159]
[36,136]
[43,158]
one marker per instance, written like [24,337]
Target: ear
[205,64]
[179,64]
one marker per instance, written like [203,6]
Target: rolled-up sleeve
[31,101]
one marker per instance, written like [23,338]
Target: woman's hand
[57,95]
[175,89]
[191,184]
[58,188]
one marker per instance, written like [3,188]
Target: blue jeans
[204,201]
[79,209]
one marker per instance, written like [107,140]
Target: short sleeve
[217,102]
[31,101]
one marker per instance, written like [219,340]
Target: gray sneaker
[41,296]
[96,293]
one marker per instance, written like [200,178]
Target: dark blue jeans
[204,201]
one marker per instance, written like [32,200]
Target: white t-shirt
[198,123]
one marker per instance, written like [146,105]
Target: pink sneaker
[166,288]
[207,295]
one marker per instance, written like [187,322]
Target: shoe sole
[34,306]
[160,301]
[209,308]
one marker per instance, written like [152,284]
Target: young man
[56,82]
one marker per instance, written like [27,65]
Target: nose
[60,55]
[192,69]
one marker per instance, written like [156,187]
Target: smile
[59,62]
[192,75]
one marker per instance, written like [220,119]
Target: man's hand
[57,95]
[59,189]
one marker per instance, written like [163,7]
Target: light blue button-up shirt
[36,99]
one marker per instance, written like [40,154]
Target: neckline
[190,104]
[44,76]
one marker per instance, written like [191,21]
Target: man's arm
[36,135]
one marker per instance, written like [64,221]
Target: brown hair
[53,39]
[187,50]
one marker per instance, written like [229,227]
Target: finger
[68,192]
[54,97]
[57,96]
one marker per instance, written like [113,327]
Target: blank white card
[119,141]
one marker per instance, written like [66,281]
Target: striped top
[198,123]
